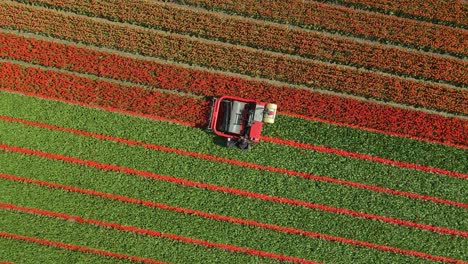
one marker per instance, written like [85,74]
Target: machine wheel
[244,144]
[230,142]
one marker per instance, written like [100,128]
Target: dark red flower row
[299,101]
[311,44]
[453,11]
[311,14]
[235,59]
[68,87]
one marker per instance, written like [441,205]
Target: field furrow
[451,13]
[29,253]
[247,174]
[356,155]
[287,39]
[426,126]
[252,62]
[329,17]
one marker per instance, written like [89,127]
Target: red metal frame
[255,129]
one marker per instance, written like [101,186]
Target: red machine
[239,120]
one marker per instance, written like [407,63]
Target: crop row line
[103,93]
[234,191]
[73,247]
[365,115]
[257,34]
[241,221]
[448,13]
[156,147]
[35,50]
[348,21]
[253,62]
[154,233]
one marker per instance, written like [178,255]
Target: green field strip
[264,153]
[298,129]
[151,218]
[225,204]
[30,253]
[115,240]
[223,174]
[378,144]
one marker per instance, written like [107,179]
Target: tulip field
[105,156]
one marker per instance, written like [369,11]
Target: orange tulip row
[236,59]
[102,94]
[311,14]
[275,37]
[448,12]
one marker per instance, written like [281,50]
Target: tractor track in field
[209,42]
[205,69]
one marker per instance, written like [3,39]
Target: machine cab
[240,120]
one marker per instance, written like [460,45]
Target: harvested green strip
[225,204]
[184,225]
[115,240]
[391,147]
[269,154]
[30,253]
[223,174]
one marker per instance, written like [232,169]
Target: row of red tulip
[331,17]
[451,12]
[310,44]
[236,59]
[72,88]
[298,101]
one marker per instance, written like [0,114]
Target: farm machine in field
[239,120]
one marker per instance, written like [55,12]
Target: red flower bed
[309,44]
[74,88]
[299,101]
[232,58]
[453,11]
[312,14]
